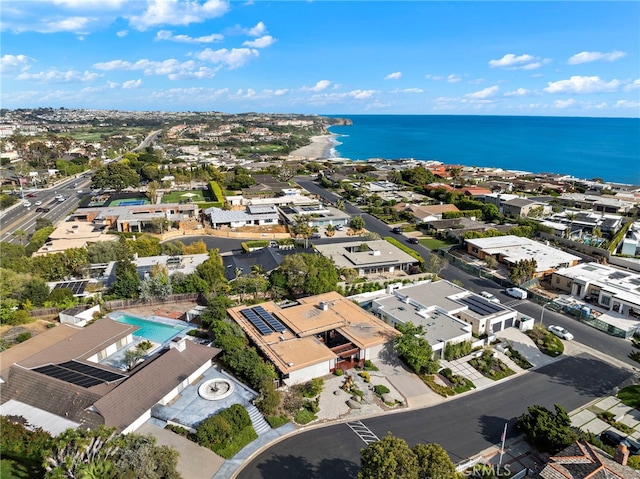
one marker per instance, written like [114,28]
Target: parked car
[316,236]
[560,332]
[516,293]
[397,230]
[273,244]
[611,438]
[414,240]
[490,297]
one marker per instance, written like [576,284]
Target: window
[557,280]
[605,300]
[474,250]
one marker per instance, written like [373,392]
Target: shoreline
[319,148]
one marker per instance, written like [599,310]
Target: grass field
[630,396]
[433,243]
[177,196]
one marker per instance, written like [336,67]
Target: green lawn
[630,396]
[434,244]
[177,196]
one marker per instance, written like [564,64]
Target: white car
[27,204]
[38,203]
[560,332]
[490,297]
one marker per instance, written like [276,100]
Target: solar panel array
[79,374]
[268,318]
[77,287]
[259,324]
[481,305]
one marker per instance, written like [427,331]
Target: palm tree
[456,174]
[571,216]
[20,234]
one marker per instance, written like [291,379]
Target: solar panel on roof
[77,287]
[268,318]
[259,324]
[88,370]
[481,305]
[67,375]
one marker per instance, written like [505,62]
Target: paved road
[463,426]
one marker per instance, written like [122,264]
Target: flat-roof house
[511,249]
[317,215]
[251,216]
[368,257]
[448,313]
[608,287]
[524,207]
[423,213]
[315,337]
[62,381]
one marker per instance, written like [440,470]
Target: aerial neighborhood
[220,281]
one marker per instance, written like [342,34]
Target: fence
[133,303]
[474,270]
[39,313]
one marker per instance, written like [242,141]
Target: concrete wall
[307,374]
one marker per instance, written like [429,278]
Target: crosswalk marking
[363,432]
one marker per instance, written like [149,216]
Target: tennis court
[128,202]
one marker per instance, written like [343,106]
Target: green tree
[20,235]
[390,457]
[357,223]
[139,456]
[43,223]
[36,291]
[212,272]
[305,273]
[117,176]
[107,251]
[61,297]
[12,256]
[546,430]
[146,245]
[490,212]
[436,263]
[415,350]
[523,270]
[127,280]
[434,462]
[216,310]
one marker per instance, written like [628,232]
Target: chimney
[622,454]
[178,343]
[324,306]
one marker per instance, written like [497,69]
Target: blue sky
[326,57]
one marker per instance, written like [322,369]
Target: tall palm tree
[571,216]
[20,234]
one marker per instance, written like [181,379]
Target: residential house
[423,213]
[511,249]
[604,204]
[251,216]
[524,207]
[62,380]
[368,257]
[317,215]
[314,337]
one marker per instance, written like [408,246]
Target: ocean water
[607,148]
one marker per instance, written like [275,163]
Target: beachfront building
[603,204]
[448,313]
[368,257]
[609,288]
[250,216]
[63,378]
[511,249]
[630,245]
[314,337]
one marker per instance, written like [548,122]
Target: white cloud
[627,104]
[281,91]
[434,77]
[518,92]
[453,78]
[14,63]
[202,72]
[320,86]
[483,94]
[132,84]
[361,94]
[168,35]
[408,90]
[256,31]
[564,103]
[122,33]
[234,58]
[261,42]
[173,12]
[57,76]
[80,25]
[586,57]
[393,76]
[518,62]
[90,4]
[633,85]
[173,68]
[583,84]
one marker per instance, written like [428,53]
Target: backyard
[434,243]
[195,196]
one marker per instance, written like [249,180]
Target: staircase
[257,420]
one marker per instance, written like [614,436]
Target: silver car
[560,332]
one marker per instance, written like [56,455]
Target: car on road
[38,203]
[397,230]
[560,332]
[490,297]
[316,236]
[31,195]
[38,210]
[27,204]
[414,240]
[516,293]
[79,192]
[46,210]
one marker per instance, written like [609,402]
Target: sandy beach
[320,147]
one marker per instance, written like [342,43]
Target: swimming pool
[151,330]
[128,202]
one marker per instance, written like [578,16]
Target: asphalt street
[464,426]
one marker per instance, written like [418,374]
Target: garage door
[495,327]
[508,323]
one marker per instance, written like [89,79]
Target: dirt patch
[167,310]
[9,332]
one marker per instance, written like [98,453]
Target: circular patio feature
[215,389]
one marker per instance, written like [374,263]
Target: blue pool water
[151,330]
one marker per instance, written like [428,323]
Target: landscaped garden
[630,396]
[548,343]
[434,243]
[490,366]
[195,196]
